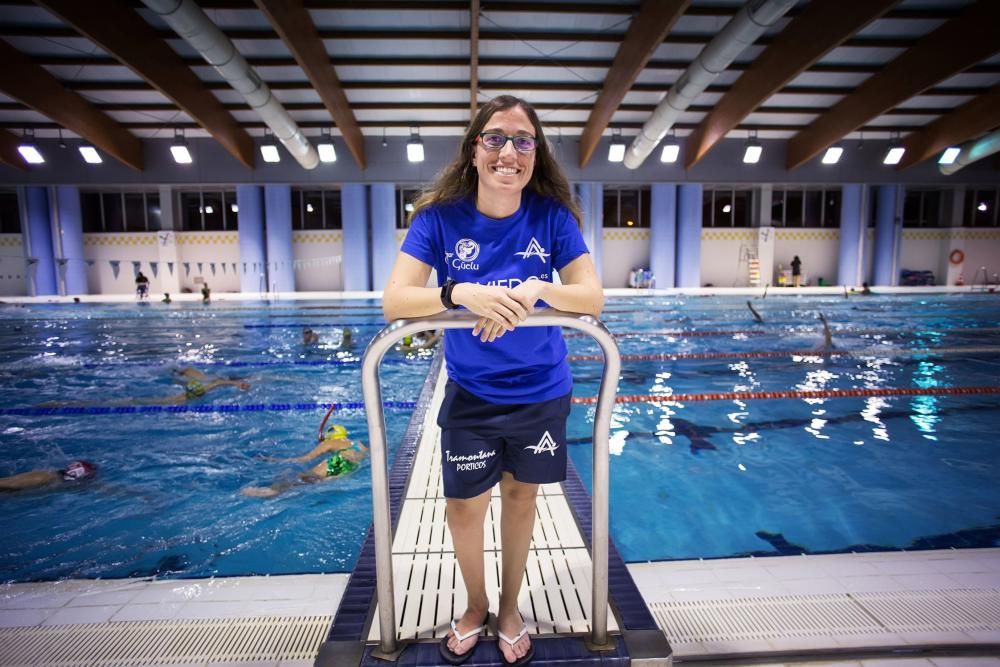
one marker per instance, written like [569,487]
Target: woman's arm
[580,291]
[407,296]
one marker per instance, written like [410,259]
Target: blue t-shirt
[527,365]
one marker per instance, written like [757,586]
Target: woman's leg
[465,521]
[517,520]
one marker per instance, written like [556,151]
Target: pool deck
[747,607]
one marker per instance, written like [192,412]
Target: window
[113,212]
[90,211]
[922,208]
[805,207]
[726,207]
[119,211]
[10,214]
[315,209]
[212,211]
[626,207]
[191,212]
[980,208]
[135,212]
[207,210]
[405,197]
[230,208]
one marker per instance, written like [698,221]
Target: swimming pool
[689,479]
[716,478]
[166,499]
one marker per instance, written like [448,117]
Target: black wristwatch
[446,291]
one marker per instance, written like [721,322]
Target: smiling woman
[497,225]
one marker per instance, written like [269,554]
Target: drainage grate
[175,642]
[832,615]
[762,618]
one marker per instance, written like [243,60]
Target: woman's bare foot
[510,625]
[472,618]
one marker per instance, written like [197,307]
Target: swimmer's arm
[28,480]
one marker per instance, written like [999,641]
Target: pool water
[167,497]
[689,479]
[710,479]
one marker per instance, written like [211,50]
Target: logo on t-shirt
[546,444]
[534,249]
[467,250]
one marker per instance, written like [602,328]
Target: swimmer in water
[345,456]
[75,471]
[827,336]
[756,315]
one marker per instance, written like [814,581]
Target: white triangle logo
[546,444]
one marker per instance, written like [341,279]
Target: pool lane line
[179,409]
[795,393]
[248,364]
[678,334]
[760,332]
[864,352]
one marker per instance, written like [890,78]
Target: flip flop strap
[463,636]
[524,631]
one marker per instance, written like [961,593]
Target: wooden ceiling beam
[645,33]
[970,120]
[295,26]
[8,151]
[820,28]
[956,45]
[23,80]
[131,40]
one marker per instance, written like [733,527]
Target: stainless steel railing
[382,343]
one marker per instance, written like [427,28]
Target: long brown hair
[459,179]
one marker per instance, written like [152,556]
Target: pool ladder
[645,647]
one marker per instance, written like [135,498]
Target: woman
[496,224]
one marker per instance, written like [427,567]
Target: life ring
[956,257]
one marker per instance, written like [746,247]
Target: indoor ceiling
[113,71]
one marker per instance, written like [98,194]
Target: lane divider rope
[865,352]
[175,409]
[797,393]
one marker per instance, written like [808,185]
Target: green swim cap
[407,340]
[336,432]
[194,389]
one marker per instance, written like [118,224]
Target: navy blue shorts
[482,440]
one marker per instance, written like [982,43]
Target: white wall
[319,258]
[720,256]
[13,277]
[622,250]
[818,248]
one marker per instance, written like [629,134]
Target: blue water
[688,479]
[737,477]
[166,499]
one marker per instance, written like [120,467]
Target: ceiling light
[670,153]
[950,155]
[727,208]
[209,210]
[327,153]
[269,149]
[408,207]
[28,150]
[234,208]
[982,207]
[832,155]
[895,152]
[415,146]
[309,208]
[753,149]
[90,155]
[616,151]
[179,148]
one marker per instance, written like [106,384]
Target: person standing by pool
[796,271]
[206,293]
[496,225]
[141,286]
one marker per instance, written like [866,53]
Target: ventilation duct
[973,151]
[192,24]
[742,31]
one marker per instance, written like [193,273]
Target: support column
[278,231]
[663,233]
[354,211]
[852,235]
[69,224]
[591,197]
[888,231]
[689,197]
[250,223]
[382,204]
[41,274]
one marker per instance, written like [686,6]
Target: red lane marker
[711,355]
[679,334]
[797,393]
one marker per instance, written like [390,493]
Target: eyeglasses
[495,141]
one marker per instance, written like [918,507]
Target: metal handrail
[382,343]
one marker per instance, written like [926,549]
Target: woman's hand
[493,303]
[488,330]
[528,293]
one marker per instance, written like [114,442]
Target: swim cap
[407,340]
[79,470]
[194,389]
[336,432]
